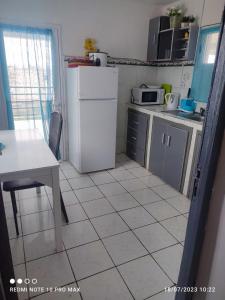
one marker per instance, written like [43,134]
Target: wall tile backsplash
[129,77]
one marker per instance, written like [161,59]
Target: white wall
[119,26]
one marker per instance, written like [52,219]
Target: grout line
[110,258]
[101,239]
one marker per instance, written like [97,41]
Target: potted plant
[175,14]
[191,20]
[185,22]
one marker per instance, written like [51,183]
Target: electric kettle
[171,100]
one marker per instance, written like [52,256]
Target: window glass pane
[210,48]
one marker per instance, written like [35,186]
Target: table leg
[57,209]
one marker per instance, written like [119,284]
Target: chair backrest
[55,129]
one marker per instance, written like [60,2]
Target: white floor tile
[66,165]
[101,177]
[17,252]
[121,174]
[140,172]
[145,196]
[69,198]
[68,295]
[77,234]
[106,285]
[97,207]
[133,184]
[130,164]
[89,259]
[39,244]
[177,227]
[122,157]
[152,180]
[81,182]
[154,237]
[169,260]
[165,191]
[61,175]
[12,228]
[64,186]
[29,193]
[75,213]
[124,247]
[136,217]
[109,224]
[111,189]
[37,222]
[53,270]
[161,210]
[144,277]
[9,209]
[33,205]
[123,201]
[163,296]
[71,173]
[20,273]
[181,203]
[87,194]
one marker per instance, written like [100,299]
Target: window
[205,58]
[28,55]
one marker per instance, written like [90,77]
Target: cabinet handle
[168,141]
[135,122]
[134,153]
[134,138]
[163,138]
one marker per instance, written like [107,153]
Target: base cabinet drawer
[137,120]
[135,153]
[137,129]
[138,138]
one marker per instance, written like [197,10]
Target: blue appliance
[187,105]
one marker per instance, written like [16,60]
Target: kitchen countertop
[157,110]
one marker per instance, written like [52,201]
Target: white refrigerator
[92,116]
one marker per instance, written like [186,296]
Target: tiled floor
[124,240]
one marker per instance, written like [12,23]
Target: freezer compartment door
[98,135]
[97,83]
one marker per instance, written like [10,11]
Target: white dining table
[27,155]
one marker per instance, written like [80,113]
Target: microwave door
[149,97]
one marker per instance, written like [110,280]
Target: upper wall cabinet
[155,26]
[170,44]
[212,12]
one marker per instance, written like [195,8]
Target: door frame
[213,129]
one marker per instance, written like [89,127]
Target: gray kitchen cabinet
[168,151]
[170,44]
[155,25]
[137,129]
[157,147]
[175,145]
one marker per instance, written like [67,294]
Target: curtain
[6,113]
[204,64]
[30,81]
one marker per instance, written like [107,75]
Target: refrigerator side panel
[98,83]
[73,117]
[98,131]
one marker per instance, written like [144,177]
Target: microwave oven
[147,96]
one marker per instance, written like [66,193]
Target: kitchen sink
[190,116]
